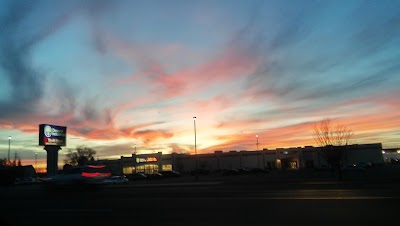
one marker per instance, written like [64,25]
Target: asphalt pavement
[206,202]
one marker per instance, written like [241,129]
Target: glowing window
[167,167]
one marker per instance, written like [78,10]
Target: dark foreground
[319,202]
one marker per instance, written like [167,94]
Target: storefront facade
[280,158]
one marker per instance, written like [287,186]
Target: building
[280,158]
[391,155]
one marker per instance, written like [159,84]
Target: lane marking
[264,198]
[75,210]
[171,184]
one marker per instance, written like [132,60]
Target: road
[205,203]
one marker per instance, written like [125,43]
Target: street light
[9,147]
[36,161]
[195,147]
[135,148]
[262,152]
[257,150]
[257,141]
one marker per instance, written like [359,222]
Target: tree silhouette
[81,156]
[334,140]
[16,161]
[325,134]
[4,162]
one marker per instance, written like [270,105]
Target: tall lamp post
[9,147]
[133,161]
[36,161]
[262,152]
[257,142]
[195,148]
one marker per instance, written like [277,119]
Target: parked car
[353,168]
[116,180]
[136,176]
[258,171]
[365,165]
[170,173]
[26,180]
[323,168]
[199,172]
[154,176]
[230,172]
[243,171]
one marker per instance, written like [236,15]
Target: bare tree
[17,160]
[334,140]
[325,134]
[3,162]
[81,156]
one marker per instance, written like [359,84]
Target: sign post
[52,138]
[52,159]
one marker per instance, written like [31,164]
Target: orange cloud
[149,136]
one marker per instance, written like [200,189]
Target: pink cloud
[230,64]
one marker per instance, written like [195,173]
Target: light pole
[257,150]
[135,148]
[195,148]
[36,161]
[9,147]
[257,142]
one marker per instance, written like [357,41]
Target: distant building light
[383,152]
[285,152]
[398,151]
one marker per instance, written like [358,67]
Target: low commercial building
[280,158]
[391,155]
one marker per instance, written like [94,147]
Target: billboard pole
[52,159]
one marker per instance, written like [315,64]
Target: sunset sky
[120,73]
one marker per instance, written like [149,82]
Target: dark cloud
[28,83]
[270,50]
[299,61]
[95,11]
[179,148]
[374,38]
[17,11]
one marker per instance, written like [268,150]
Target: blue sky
[119,73]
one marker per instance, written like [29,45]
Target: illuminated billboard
[52,135]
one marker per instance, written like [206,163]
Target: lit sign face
[52,135]
[147,159]
[151,159]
